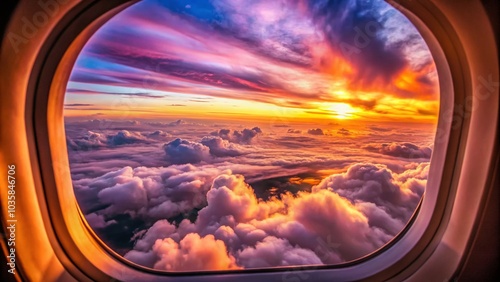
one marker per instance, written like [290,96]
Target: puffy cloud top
[193,253]
[158,134]
[274,251]
[240,137]
[316,131]
[346,216]
[222,148]
[147,193]
[180,151]
[297,131]
[402,150]
[94,140]
[343,131]
[125,137]
[375,184]
[90,140]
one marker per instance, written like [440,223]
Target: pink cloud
[325,226]
[193,253]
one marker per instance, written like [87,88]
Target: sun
[342,110]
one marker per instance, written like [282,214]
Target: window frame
[84,256]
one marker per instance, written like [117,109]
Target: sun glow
[342,110]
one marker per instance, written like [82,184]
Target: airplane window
[225,135]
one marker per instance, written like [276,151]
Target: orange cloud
[193,253]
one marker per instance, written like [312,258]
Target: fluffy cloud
[296,131]
[158,134]
[230,197]
[343,131]
[147,193]
[90,140]
[401,150]
[316,131]
[222,148]
[191,253]
[125,137]
[94,140]
[344,217]
[378,185]
[180,151]
[98,220]
[274,251]
[177,123]
[240,137]
[173,211]
[123,197]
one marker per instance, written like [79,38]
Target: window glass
[222,134]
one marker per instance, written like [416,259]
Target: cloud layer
[401,150]
[213,199]
[344,217]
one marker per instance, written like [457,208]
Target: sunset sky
[303,59]
[232,134]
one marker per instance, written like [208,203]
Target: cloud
[125,137]
[78,105]
[222,148]
[229,196]
[378,185]
[78,76]
[177,123]
[172,210]
[401,150]
[190,254]
[344,217]
[379,128]
[278,54]
[332,217]
[98,220]
[343,131]
[90,140]
[365,35]
[180,151]
[240,137]
[123,197]
[274,251]
[295,131]
[316,131]
[94,140]
[146,193]
[159,134]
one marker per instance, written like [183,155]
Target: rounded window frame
[80,246]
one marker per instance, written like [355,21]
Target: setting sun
[342,110]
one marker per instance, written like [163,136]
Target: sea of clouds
[184,195]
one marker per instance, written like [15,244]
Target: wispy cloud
[294,54]
[131,94]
